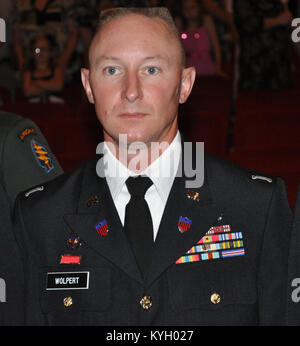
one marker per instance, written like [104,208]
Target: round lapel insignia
[73,241]
[93,201]
[193,195]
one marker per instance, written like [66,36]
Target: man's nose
[132,88]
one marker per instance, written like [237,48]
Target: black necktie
[138,222]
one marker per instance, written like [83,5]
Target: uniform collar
[161,171]
[115,247]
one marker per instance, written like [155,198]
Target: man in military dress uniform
[140,247]
[25,161]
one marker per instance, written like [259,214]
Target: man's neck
[138,157]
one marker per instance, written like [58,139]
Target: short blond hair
[162,13]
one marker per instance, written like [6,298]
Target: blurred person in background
[263,27]
[84,14]
[224,22]
[44,76]
[48,17]
[200,40]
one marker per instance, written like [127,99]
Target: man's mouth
[135,115]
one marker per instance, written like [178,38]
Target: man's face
[136,79]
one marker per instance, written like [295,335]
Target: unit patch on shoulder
[42,156]
[26,133]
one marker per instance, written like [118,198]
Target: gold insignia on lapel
[93,201]
[190,194]
[73,241]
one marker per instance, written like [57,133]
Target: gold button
[68,301]
[215,298]
[146,302]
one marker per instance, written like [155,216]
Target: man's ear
[85,78]
[187,82]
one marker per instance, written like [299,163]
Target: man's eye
[152,70]
[111,70]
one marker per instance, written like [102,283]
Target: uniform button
[146,302]
[215,298]
[68,301]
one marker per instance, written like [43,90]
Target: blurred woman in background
[43,78]
[264,43]
[200,40]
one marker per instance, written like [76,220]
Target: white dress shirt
[162,172]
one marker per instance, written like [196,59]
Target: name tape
[68,281]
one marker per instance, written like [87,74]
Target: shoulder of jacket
[12,124]
[232,172]
[61,187]
[50,188]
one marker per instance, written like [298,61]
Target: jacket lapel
[114,247]
[170,243]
